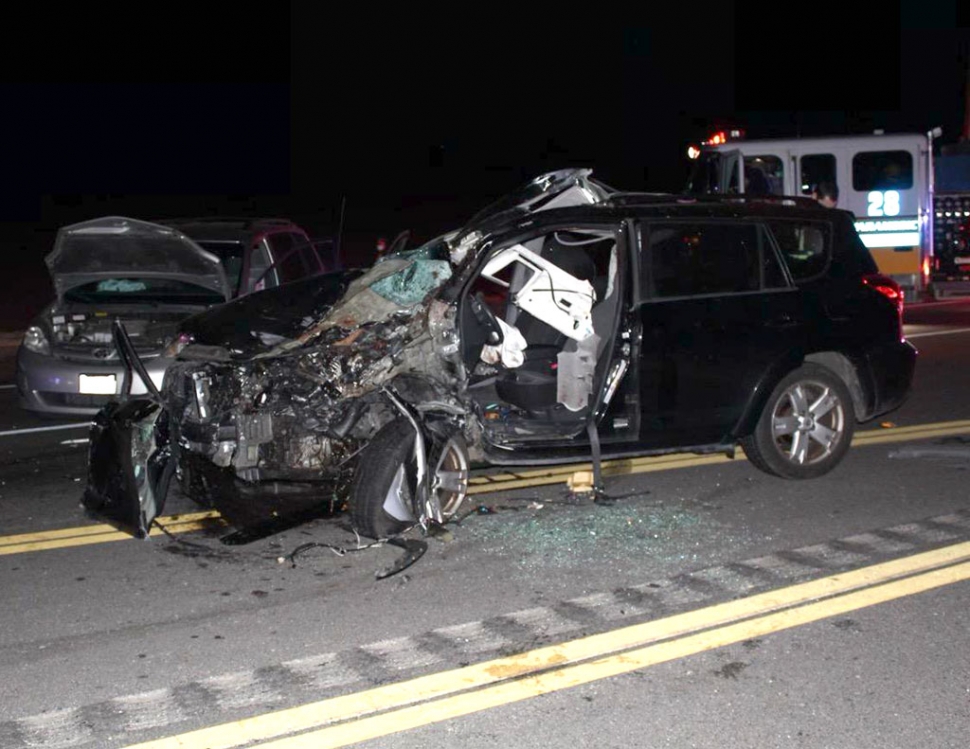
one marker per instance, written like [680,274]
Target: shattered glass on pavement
[555,530]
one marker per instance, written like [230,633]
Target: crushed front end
[269,431]
[275,436]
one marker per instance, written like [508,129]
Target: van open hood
[118,247]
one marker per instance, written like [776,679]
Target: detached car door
[718,316]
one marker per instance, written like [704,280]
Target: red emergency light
[723,136]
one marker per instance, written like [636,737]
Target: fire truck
[916,234]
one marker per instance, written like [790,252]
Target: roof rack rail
[646,197]
[628,198]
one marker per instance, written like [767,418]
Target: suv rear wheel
[806,426]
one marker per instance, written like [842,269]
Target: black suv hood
[253,323]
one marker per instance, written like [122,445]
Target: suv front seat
[533,386]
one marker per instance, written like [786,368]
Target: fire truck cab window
[763,175]
[882,170]
[817,168]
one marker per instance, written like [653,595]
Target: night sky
[416,120]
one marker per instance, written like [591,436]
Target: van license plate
[98,384]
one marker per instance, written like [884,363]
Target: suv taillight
[889,289]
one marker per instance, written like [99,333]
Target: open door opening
[538,328]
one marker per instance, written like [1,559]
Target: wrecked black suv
[564,321]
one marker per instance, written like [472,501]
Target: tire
[806,426]
[387,469]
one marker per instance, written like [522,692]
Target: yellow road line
[558,474]
[504,482]
[891,435]
[95,534]
[566,469]
[609,644]
[962,424]
[507,693]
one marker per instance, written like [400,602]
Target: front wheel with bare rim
[806,426]
[382,500]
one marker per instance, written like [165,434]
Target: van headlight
[36,340]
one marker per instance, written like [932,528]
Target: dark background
[415,120]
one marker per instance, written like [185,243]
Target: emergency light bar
[723,136]
[717,139]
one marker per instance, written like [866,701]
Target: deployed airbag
[550,294]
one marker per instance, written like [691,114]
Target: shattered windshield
[410,285]
[435,249]
[396,284]
[418,272]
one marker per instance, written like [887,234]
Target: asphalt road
[677,617]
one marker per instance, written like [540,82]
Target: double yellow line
[96,534]
[426,700]
[84,535]
[538,477]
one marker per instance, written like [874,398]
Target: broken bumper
[255,504]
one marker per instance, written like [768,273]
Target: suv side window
[310,258]
[259,260]
[706,258]
[327,254]
[805,246]
[290,263]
